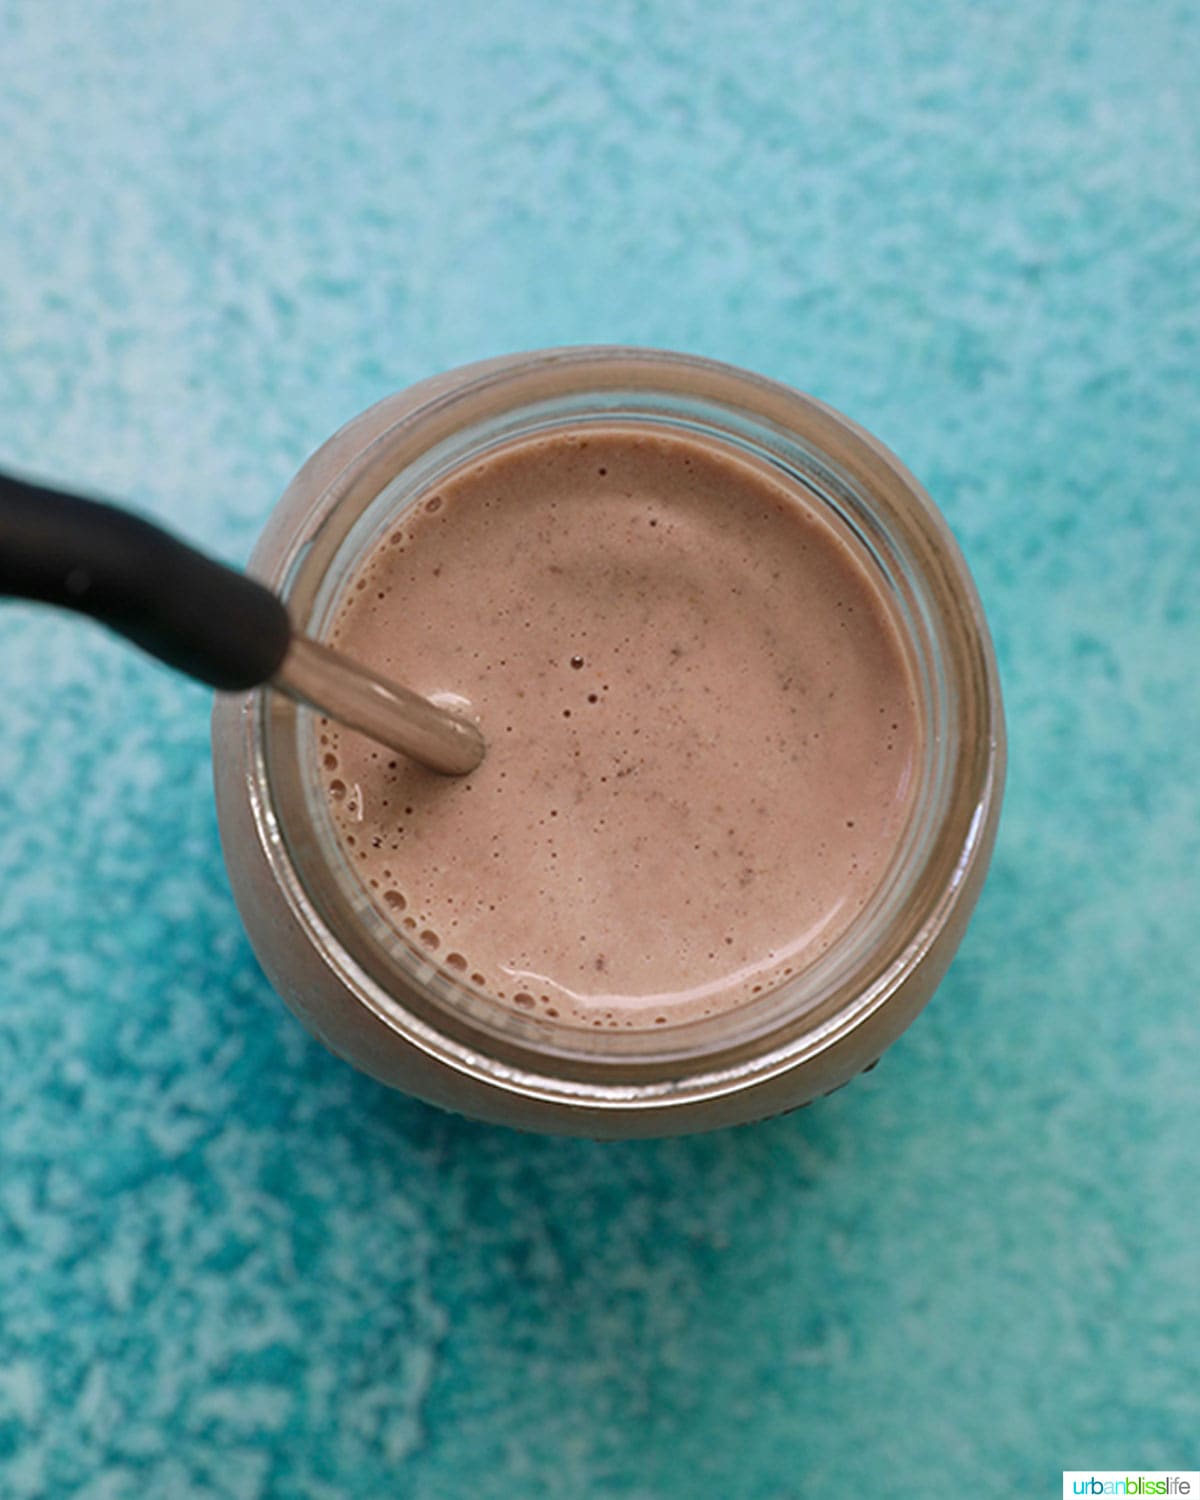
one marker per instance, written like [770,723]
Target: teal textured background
[230,1267]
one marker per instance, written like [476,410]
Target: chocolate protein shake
[701,722]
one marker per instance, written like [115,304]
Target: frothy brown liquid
[701,726]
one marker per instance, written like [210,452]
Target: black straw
[192,612]
[207,620]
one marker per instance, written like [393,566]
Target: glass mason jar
[384,1004]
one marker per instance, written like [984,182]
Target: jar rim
[439,1013]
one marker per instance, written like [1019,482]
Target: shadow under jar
[422,1019]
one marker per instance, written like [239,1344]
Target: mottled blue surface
[229,1267]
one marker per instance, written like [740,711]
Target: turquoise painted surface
[229,1266]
